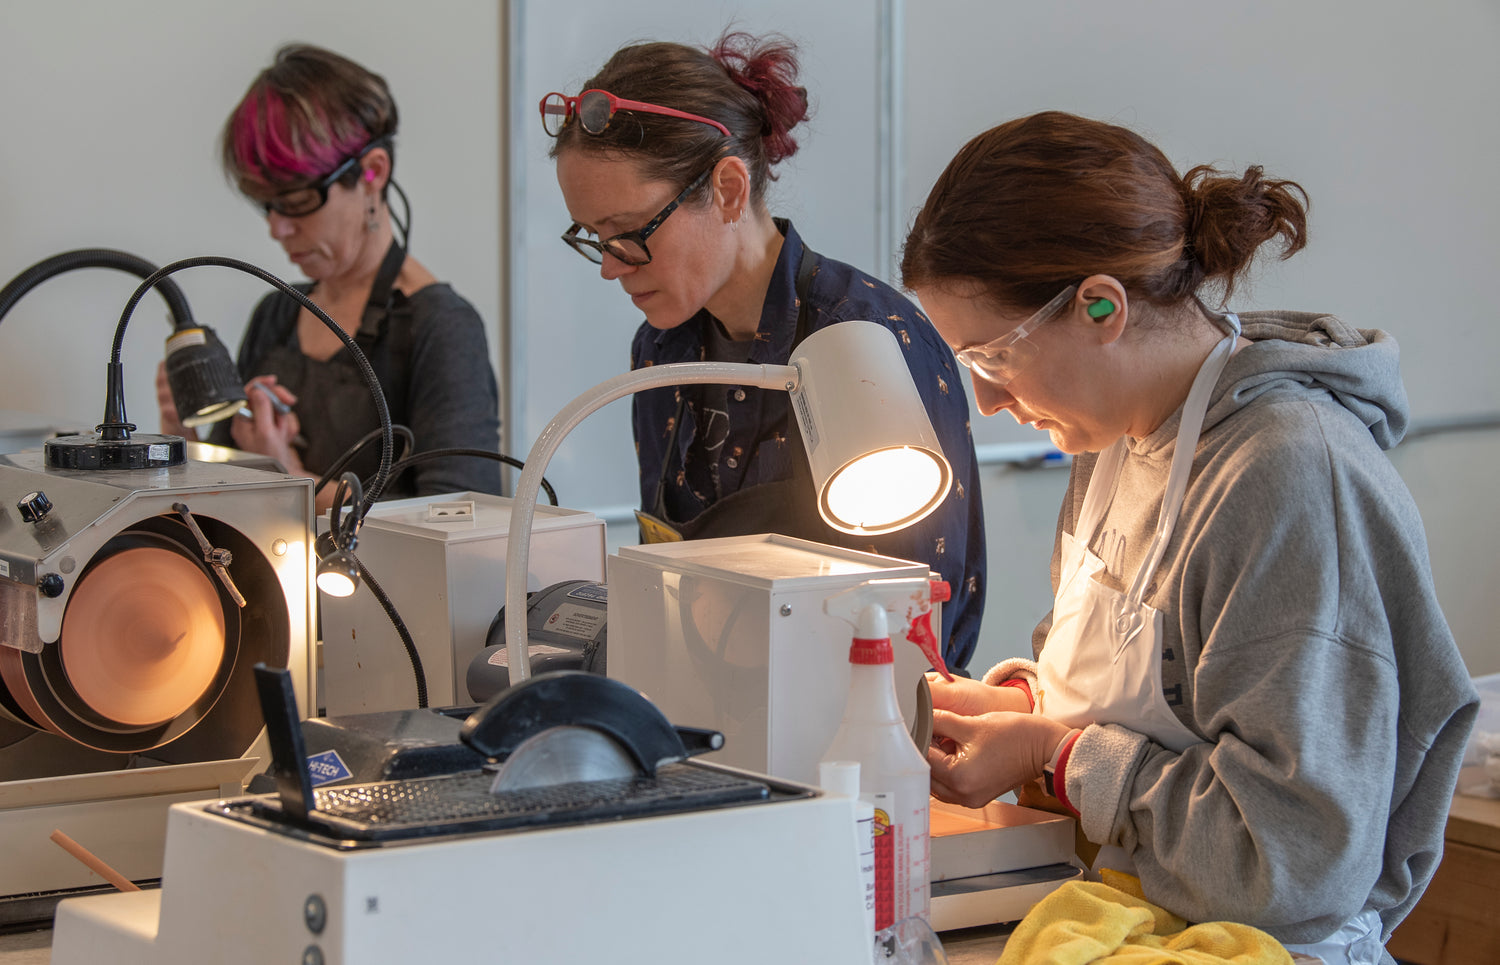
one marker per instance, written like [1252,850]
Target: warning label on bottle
[886,834]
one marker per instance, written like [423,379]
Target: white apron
[1102,660]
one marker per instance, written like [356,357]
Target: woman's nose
[611,267]
[279,225]
[989,397]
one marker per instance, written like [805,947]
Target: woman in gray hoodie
[1246,691]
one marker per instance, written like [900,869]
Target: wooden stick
[94,863]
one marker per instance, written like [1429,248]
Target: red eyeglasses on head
[595,108]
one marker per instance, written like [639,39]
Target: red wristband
[1020,684]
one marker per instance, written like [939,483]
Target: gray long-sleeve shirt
[1303,642]
[430,356]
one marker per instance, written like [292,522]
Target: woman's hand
[171,425]
[975,759]
[970,698]
[268,431]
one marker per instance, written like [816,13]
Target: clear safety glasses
[1000,360]
[629,247]
[596,108]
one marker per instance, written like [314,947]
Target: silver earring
[372,223]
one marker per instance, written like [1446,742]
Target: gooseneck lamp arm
[523,506]
[115,425]
[182,316]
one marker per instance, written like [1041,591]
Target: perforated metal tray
[392,811]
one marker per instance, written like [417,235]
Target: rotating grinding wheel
[143,636]
[147,643]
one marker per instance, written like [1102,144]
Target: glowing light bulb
[338,575]
[886,489]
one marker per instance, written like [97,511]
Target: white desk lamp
[875,459]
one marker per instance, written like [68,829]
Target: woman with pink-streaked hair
[312,145]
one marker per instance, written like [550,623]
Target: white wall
[110,114]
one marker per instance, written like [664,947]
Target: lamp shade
[338,575]
[876,461]
[206,385]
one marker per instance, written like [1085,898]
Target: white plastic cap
[839,778]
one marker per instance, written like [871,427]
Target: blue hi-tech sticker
[327,767]
[590,591]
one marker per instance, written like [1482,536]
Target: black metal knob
[51,585]
[34,506]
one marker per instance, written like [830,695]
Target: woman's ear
[377,168]
[1105,305]
[731,187]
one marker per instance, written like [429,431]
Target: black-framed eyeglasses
[300,202]
[629,247]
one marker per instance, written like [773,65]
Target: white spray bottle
[893,772]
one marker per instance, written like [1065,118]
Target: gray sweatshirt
[1303,642]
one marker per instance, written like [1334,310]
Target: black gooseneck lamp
[115,445]
[206,385]
[205,382]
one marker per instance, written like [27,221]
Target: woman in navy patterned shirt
[663,161]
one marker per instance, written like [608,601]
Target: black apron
[332,395]
[787,506]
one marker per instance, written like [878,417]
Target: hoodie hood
[1304,354]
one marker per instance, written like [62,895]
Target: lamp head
[876,461]
[338,573]
[206,385]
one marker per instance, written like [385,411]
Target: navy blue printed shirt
[750,426]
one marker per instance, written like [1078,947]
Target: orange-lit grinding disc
[143,636]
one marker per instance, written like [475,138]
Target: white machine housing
[441,560]
[739,885]
[730,634]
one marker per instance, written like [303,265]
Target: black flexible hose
[182,316]
[428,455]
[405,225]
[351,453]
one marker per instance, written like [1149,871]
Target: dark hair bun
[1230,217]
[767,68]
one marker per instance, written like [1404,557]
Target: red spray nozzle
[907,602]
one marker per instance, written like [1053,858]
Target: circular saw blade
[563,755]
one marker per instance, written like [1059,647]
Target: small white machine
[133,604]
[596,840]
[441,560]
[730,633]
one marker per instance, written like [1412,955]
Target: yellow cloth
[1088,922]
